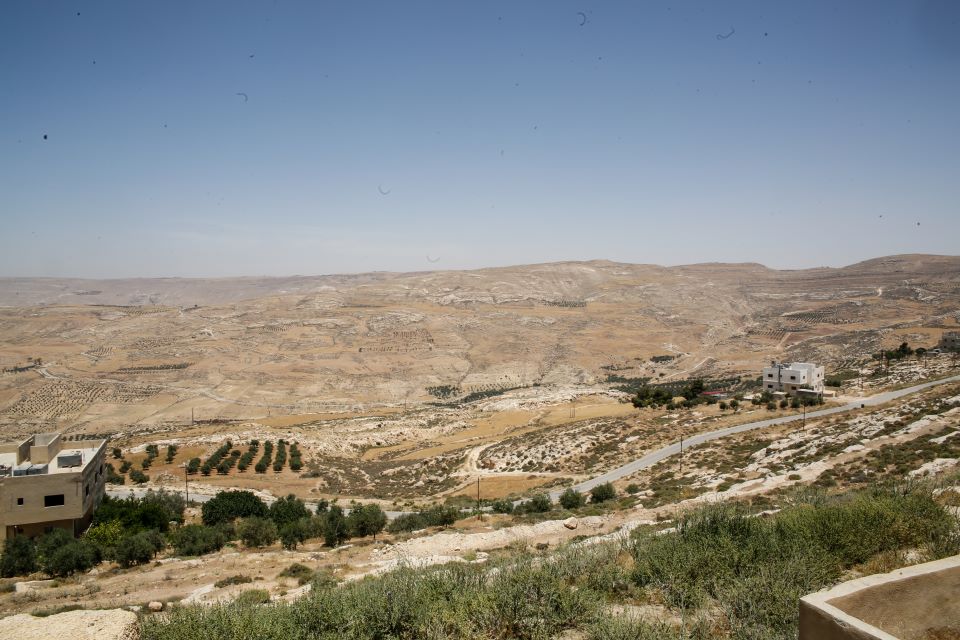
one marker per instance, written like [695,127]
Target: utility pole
[804,416]
[186,483]
[479,513]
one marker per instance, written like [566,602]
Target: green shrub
[232,580]
[19,557]
[289,509]
[257,532]
[293,533]
[572,499]
[197,540]
[633,488]
[155,510]
[538,503]
[502,506]
[140,514]
[602,493]
[756,569]
[437,516]
[59,554]
[407,522]
[138,477]
[139,548]
[229,505]
[107,536]
[253,597]
[301,573]
[171,502]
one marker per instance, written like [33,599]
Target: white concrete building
[793,378]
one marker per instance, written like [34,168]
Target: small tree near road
[602,493]
[256,531]
[367,520]
[335,530]
[572,499]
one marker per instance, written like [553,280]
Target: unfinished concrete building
[950,341]
[45,484]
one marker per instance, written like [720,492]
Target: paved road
[660,454]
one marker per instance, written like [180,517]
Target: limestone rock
[571,523]
[156,605]
[109,624]
[33,585]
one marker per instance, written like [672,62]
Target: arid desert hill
[139,351]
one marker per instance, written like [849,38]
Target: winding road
[654,457]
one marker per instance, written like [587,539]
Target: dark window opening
[19,502]
[53,501]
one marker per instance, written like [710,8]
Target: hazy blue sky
[502,133]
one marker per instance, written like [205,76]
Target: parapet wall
[913,603]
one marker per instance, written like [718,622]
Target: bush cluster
[215,458]
[437,516]
[281,458]
[112,476]
[572,499]
[264,461]
[227,506]
[248,456]
[197,539]
[296,463]
[228,462]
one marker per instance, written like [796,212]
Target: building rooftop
[46,453]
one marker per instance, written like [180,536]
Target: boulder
[33,585]
[155,606]
[108,624]
[571,523]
